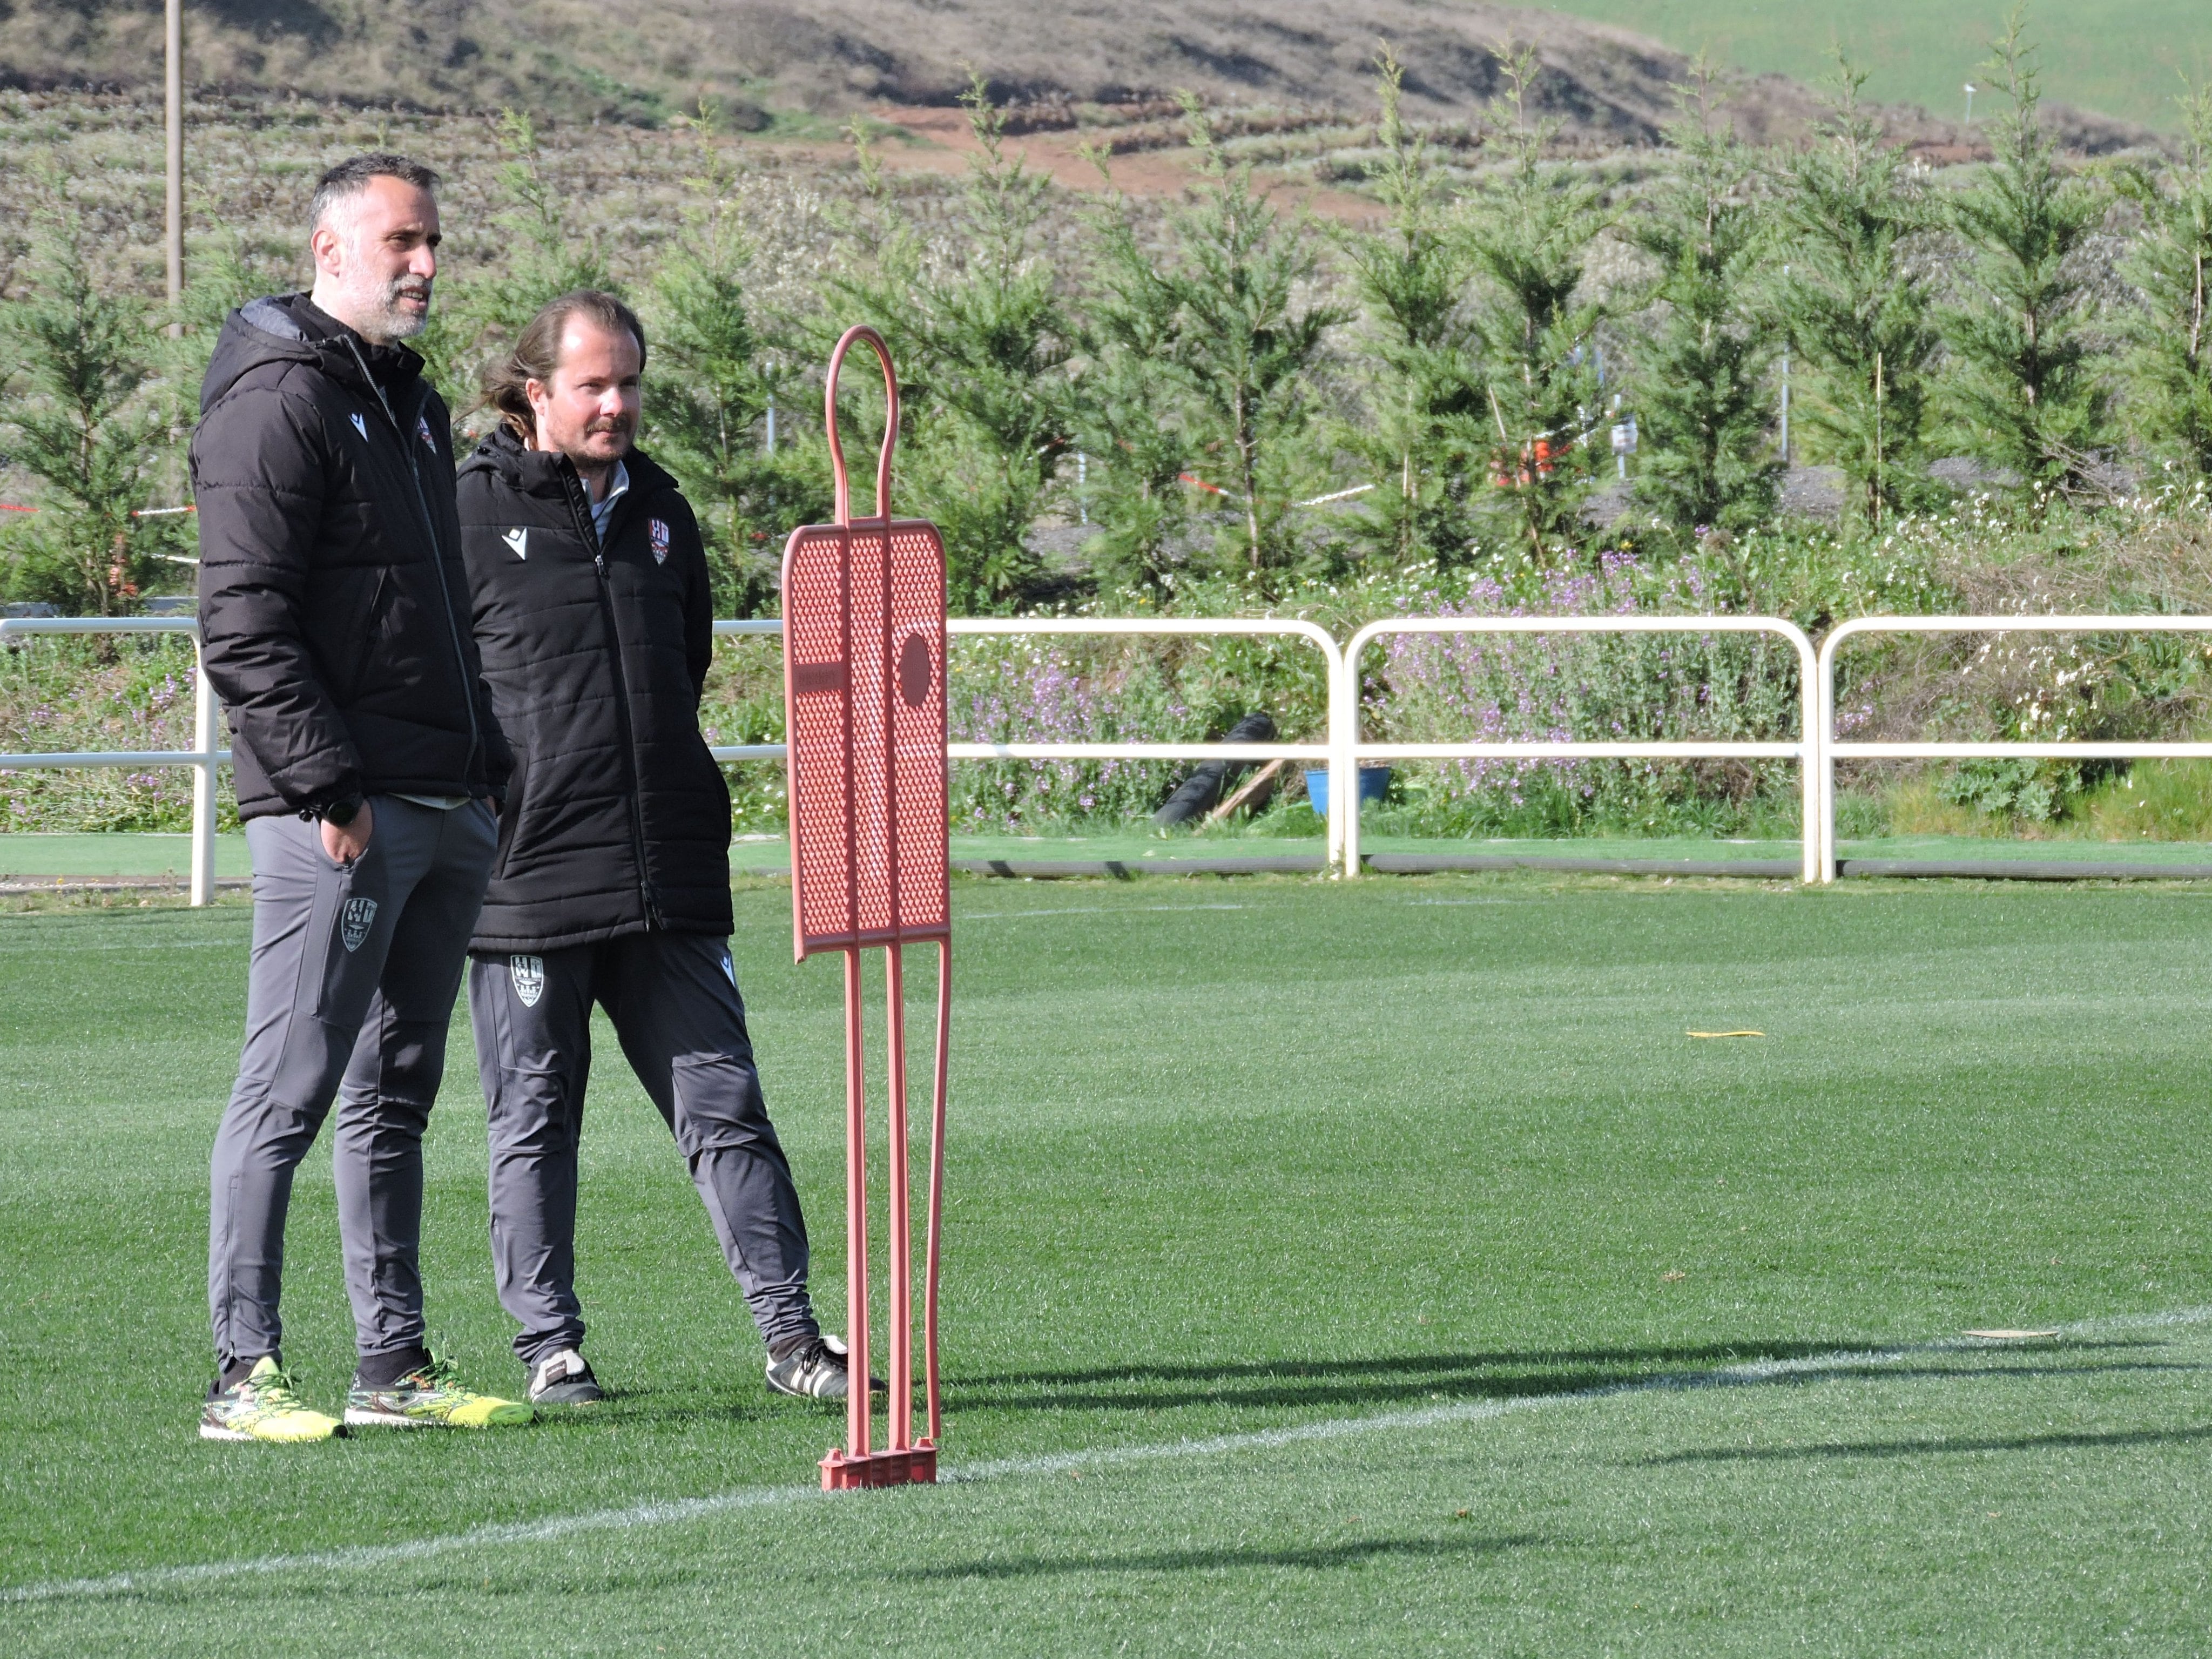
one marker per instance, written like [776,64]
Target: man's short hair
[351,176]
[536,353]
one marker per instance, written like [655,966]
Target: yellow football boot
[263,1407]
[431,1397]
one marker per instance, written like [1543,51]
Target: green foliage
[1424,383]
[133,693]
[2035,791]
[1703,367]
[546,257]
[1527,232]
[982,342]
[2168,363]
[1128,413]
[1248,340]
[2028,394]
[85,417]
[707,388]
[1856,307]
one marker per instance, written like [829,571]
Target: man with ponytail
[612,882]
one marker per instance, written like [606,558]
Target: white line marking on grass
[671,1511]
[1087,910]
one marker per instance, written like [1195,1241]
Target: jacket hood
[288,328]
[540,472]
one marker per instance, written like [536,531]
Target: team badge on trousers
[528,973]
[355,920]
[659,528]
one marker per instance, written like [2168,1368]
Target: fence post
[1826,806]
[202,780]
[1811,766]
[1343,769]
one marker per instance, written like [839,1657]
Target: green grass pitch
[1368,1266]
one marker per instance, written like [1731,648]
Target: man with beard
[334,623]
[612,882]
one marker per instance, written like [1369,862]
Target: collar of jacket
[549,473]
[291,328]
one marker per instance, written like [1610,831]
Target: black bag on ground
[1197,794]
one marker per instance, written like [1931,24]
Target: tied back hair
[536,354]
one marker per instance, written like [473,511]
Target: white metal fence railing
[1344,713]
[202,756]
[1817,746]
[1833,748]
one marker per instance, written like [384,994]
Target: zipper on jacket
[437,553]
[572,486]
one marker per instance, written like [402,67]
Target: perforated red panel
[864,678]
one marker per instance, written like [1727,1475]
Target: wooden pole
[174,79]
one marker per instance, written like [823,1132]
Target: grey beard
[398,325]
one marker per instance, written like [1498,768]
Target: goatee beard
[399,324]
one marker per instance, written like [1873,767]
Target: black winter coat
[332,600]
[618,819]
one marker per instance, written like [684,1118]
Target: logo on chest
[659,528]
[355,919]
[359,426]
[518,541]
[423,431]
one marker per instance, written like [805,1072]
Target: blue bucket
[1373,784]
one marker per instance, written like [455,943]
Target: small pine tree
[982,341]
[1527,230]
[1128,410]
[1857,306]
[2169,364]
[85,419]
[1424,392]
[2028,395]
[1702,369]
[1248,342]
[707,393]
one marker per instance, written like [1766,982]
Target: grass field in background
[1364,1177]
[2123,58]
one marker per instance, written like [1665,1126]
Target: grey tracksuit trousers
[349,995]
[673,1000]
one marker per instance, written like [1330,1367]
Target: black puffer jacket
[333,603]
[619,820]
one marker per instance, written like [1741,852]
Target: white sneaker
[564,1379]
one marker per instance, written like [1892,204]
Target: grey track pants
[353,976]
[674,1003]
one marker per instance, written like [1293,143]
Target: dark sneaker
[818,1370]
[564,1379]
[432,1397]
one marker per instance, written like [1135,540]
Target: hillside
[2126,58]
[644,59]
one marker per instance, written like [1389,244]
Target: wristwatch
[343,812]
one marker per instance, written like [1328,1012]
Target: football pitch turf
[1371,1267]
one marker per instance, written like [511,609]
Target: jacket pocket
[344,629]
[517,783]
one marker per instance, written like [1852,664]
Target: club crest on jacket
[659,528]
[355,920]
[528,973]
[518,541]
[423,431]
